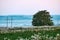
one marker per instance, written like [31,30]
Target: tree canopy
[42,18]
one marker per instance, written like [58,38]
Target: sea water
[23,20]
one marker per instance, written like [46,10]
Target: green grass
[27,34]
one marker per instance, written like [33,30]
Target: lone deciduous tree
[42,18]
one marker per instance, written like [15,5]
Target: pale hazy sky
[28,7]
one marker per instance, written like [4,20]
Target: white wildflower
[58,35]
[5,38]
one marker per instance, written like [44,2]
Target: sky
[29,7]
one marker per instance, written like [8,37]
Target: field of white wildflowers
[32,35]
[37,37]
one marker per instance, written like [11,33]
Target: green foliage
[42,18]
[27,34]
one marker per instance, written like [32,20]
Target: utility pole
[11,21]
[7,21]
